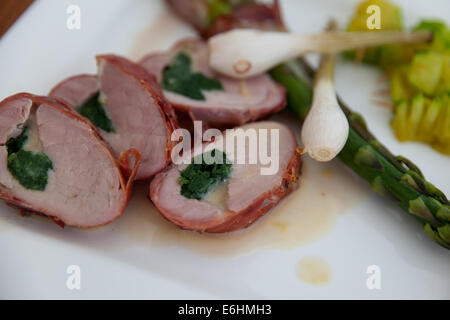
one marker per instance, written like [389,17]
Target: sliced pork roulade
[54,162]
[126,104]
[190,85]
[224,193]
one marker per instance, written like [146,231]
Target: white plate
[142,256]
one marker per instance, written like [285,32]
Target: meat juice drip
[314,271]
[326,192]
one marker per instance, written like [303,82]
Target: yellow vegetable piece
[400,87]
[429,119]
[399,124]
[419,76]
[391,17]
[424,120]
[425,71]
[415,115]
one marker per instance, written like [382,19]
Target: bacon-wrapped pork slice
[190,85]
[126,104]
[54,162]
[242,192]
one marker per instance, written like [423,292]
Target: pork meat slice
[239,102]
[77,89]
[84,186]
[263,15]
[244,197]
[140,116]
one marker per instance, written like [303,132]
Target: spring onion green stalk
[392,176]
[243,53]
[325,129]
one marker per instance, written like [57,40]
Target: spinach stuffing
[28,167]
[197,179]
[178,78]
[94,111]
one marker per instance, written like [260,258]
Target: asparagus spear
[392,176]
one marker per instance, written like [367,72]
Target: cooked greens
[95,112]
[178,78]
[198,177]
[30,168]
[218,8]
[13,145]
[420,78]
[420,90]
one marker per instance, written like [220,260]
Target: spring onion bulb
[325,129]
[243,53]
